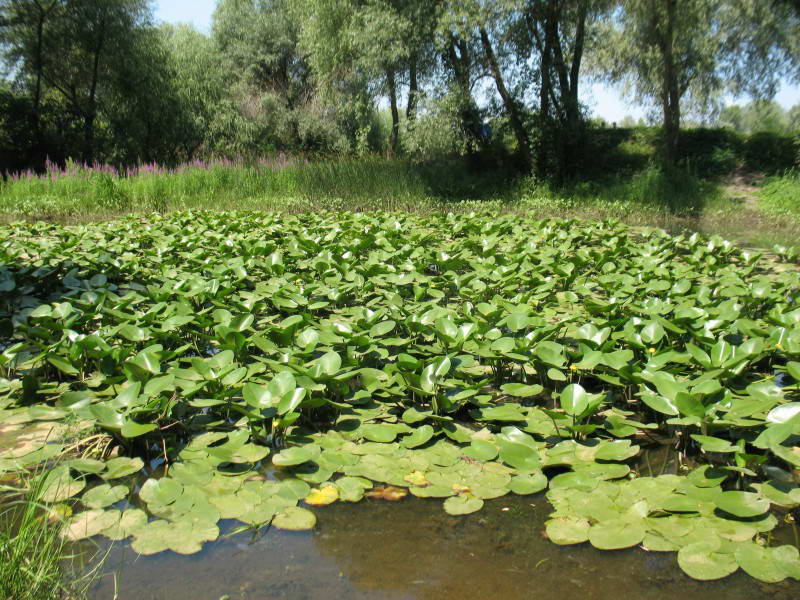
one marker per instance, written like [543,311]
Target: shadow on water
[413,550]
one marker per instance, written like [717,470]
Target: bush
[770,152]
[710,152]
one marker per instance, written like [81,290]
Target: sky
[606,101]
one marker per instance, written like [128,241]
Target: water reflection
[413,550]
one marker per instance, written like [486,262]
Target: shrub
[770,152]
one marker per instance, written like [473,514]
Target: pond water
[413,550]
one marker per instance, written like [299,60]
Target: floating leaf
[703,561]
[567,530]
[327,494]
[295,455]
[295,519]
[463,504]
[742,504]
[616,534]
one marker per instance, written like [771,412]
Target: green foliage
[782,194]
[683,55]
[459,357]
[33,553]
[760,116]
[771,153]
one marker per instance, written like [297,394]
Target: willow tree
[381,47]
[675,53]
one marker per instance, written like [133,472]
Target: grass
[643,196]
[34,556]
[782,194]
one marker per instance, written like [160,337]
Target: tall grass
[356,183]
[649,191]
[782,194]
[644,195]
[34,556]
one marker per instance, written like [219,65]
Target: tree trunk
[511,105]
[470,118]
[37,92]
[569,80]
[413,91]
[90,115]
[394,138]
[550,22]
[670,92]
[39,151]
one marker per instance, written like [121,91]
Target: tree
[378,47]
[201,90]
[24,24]
[679,52]
[75,55]
[559,34]
[793,118]
[273,85]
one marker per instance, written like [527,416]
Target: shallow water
[413,550]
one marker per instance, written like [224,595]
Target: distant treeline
[101,82]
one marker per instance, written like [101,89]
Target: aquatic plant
[244,363]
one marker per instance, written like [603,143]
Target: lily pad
[742,504]
[702,561]
[463,504]
[90,523]
[58,484]
[617,534]
[295,519]
[567,530]
[295,455]
[104,495]
[524,485]
[322,496]
[758,562]
[117,468]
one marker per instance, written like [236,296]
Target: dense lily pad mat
[452,357]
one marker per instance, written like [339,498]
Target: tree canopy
[102,81]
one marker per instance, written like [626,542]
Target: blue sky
[606,101]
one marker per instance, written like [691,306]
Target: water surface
[413,550]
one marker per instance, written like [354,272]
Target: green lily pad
[383,433]
[181,537]
[89,524]
[117,468]
[706,476]
[161,492]
[86,465]
[131,521]
[58,484]
[520,456]
[758,562]
[481,450]
[524,485]
[702,561]
[421,435]
[463,504]
[617,534]
[295,455]
[104,495]
[567,530]
[295,519]
[351,489]
[788,559]
[742,504]
[520,390]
